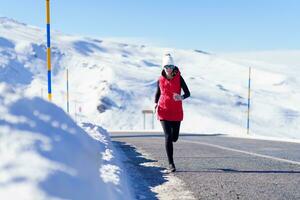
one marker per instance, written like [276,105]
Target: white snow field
[43,148]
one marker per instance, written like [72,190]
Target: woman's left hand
[177,97]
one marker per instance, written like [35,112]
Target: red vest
[169,109]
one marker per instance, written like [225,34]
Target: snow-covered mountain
[111,83]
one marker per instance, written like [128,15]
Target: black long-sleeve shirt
[183,86]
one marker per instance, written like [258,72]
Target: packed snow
[45,155]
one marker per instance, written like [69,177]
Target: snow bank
[45,155]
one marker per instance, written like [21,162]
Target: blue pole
[248,118]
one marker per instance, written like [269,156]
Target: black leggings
[171,130]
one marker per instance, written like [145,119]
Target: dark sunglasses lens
[169,66]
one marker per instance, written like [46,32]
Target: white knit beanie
[167,60]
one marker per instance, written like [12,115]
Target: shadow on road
[239,171]
[143,175]
[161,135]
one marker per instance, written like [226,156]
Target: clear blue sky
[209,25]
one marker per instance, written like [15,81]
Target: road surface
[216,166]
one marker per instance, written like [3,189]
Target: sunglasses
[169,66]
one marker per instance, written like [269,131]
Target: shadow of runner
[143,174]
[240,171]
[145,135]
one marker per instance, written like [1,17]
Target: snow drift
[45,155]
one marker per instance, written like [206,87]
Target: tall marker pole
[248,118]
[48,49]
[68,90]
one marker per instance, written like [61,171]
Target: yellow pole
[48,49]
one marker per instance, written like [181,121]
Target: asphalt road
[218,167]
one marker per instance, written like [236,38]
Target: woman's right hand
[177,97]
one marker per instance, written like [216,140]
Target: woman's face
[168,69]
